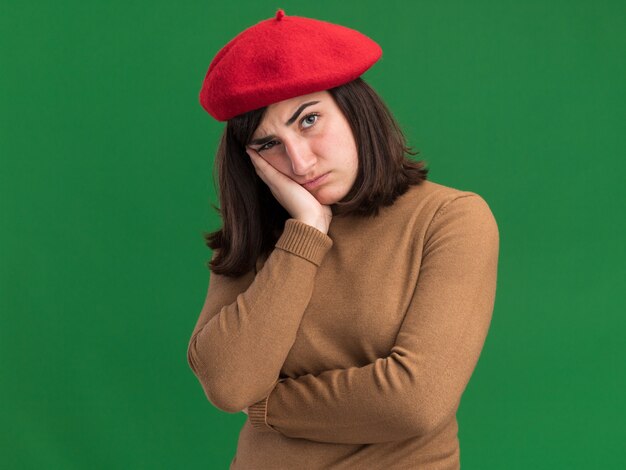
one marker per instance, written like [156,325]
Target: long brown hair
[253,220]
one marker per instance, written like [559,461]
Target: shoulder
[461,213]
[438,205]
[432,199]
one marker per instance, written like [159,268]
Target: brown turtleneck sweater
[352,349]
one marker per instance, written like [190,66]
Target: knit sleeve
[418,386]
[248,325]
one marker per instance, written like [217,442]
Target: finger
[258,161]
[264,169]
[253,157]
[252,153]
[268,173]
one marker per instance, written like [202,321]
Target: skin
[309,147]
[318,141]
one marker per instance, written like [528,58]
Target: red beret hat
[281,58]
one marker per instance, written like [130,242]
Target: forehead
[282,110]
[291,102]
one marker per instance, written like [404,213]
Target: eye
[265,147]
[307,117]
[303,120]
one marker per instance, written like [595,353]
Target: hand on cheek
[262,167]
[296,199]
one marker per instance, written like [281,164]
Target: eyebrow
[267,138]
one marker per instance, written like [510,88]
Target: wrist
[318,223]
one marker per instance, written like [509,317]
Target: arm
[419,385]
[248,325]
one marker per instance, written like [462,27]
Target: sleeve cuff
[257,413]
[305,241]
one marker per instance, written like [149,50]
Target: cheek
[280,164]
[344,153]
[336,148]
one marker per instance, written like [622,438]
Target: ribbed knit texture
[304,240]
[352,349]
[257,414]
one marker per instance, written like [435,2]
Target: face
[306,137]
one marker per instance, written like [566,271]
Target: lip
[315,182]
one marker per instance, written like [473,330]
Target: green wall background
[105,186]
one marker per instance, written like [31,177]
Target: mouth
[314,182]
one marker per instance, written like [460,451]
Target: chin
[327,199]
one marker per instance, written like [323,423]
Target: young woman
[349,297]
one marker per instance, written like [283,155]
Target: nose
[300,155]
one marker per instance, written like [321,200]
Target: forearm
[418,386]
[237,349]
[406,394]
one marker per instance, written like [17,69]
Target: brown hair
[253,220]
